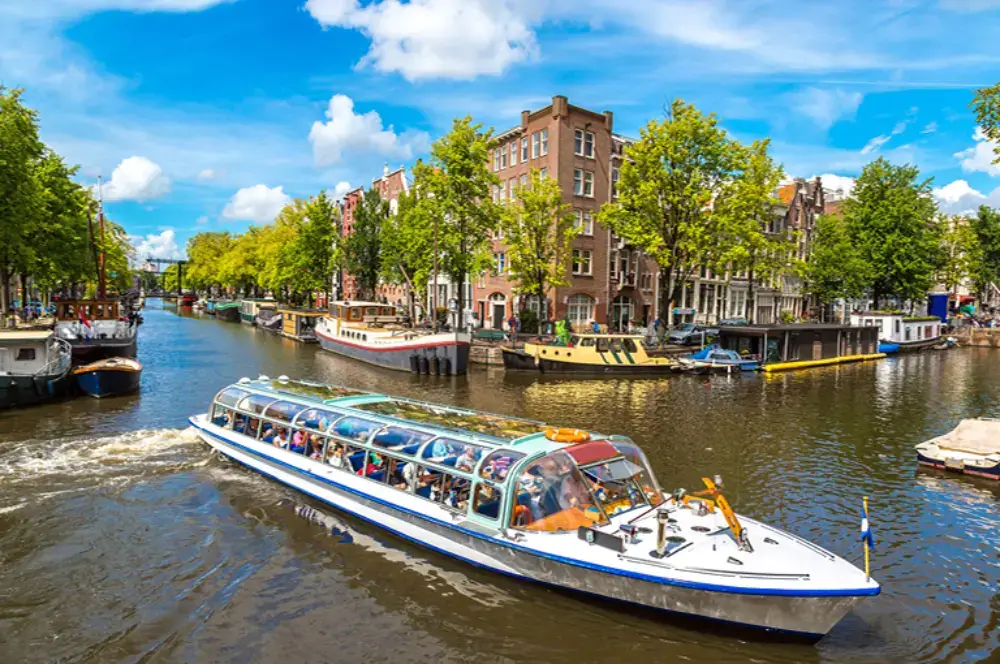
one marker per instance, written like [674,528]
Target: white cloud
[358,133]
[258,203]
[837,182]
[160,245]
[875,144]
[424,39]
[73,8]
[202,220]
[931,128]
[959,197]
[136,179]
[826,107]
[341,190]
[980,156]
[207,174]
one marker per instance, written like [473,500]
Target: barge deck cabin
[798,346]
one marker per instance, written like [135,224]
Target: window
[615,175]
[498,464]
[553,497]
[513,153]
[496,159]
[578,142]
[534,145]
[221,416]
[496,193]
[283,411]
[503,157]
[503,190]
[487,501]
[588,145]
[545,141]
[543,173]
[450,452]
[524,181]
[588,184]
[398,438]
[580,309]
[499,263]
[355,428]
[25,355]
[524,149]
[578,182]
[584,222]
[513,189]
[581,261]
[255,403]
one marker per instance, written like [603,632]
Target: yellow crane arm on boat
[714,498]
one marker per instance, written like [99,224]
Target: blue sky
[210,114]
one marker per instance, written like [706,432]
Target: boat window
[616,485]
[268,431]
[355,428]
[451,452]
[230,396]
[317,419]
[221,416]
[354,313]
[616,345]
[25,354]
[602,345]
[401,474]
[498,464]
[574,341]
[646,479]
[488,424]
[388,311]
[394,438]
[284,411]
[371,311]
[487,501]
[315,446]
[243,424]
[314,390]
[339,456]
[552,496]
[255,403]
[588,342]
[301,441]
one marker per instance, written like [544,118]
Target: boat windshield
[552,496]
[646,479]
[617,474]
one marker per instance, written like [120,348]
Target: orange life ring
[560,435]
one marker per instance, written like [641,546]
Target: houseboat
[227,310]
[899,333]
[109,378]
[578,510]
[972,448]
[96,329]
[618,354]
[374,333]
[269,320]
[299,324]
[35,365]
[799,346]
[250,308]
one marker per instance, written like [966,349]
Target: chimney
[524,118]
[385,170]
[560,106]
[609,121]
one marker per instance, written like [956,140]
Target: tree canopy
[363,247]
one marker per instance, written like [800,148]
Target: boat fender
[436,365]
[425,365]
[561,435]
[445,366]
[414,364]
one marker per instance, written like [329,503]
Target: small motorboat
[973,448]
[887,347]
[716,357]
[110,377]
[948,343]
[269,320]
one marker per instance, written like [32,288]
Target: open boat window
[317,419]
[498,464]
[552,496]
[355,428]
[401,439]
[283,411]
[255,403]
[230,396]
[450,452]
[442,488]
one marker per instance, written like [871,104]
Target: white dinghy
[568,508]
[973,448]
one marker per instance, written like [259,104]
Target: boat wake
[39,469]
[481,593]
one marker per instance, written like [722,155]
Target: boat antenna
[102,286]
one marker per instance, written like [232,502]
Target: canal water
[123,539]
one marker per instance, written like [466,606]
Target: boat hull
[247,319]
[400,357]
[86,351]
[16,391]
[915,346]
[811,616]
[103,383]
[518,360]
[229,314]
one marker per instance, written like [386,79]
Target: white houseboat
[96,329]
[35,366]
[899,333]
[567,508]
[373,333]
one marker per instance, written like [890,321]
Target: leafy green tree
[745,212]
[668,181]
[835,268]
[20,149]
[206,252]
[240,265]
[538,232]
[960,252]
[408,244]
[891,219]
[363,247]
[316,246]
[986,226]
[986,105]
[457,183]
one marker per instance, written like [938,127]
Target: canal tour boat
[972,448]
[563,507]
[96,329]
[35,365]
[373,333]
[618,354]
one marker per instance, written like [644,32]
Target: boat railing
[61,361]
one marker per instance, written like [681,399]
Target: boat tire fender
[414,364]
[425,365]
[436,365]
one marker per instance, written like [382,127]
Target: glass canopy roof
[485,424]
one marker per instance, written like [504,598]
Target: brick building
[574,146]
[389,186]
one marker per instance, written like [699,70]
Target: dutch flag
[866,531]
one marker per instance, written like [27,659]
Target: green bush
[529,322]
[786,317]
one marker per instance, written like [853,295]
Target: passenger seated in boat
[281,439]
[373,466]
[298,442]
[223,419]
[468,460]
[338,459]
[267,435]
[315,447]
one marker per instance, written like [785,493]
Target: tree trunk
[751,292]
[876,296]
[4,291]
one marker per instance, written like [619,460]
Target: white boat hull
[804,614]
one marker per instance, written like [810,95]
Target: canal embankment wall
[978,336]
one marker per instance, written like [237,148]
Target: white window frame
[575,306]
[589,141]
[543,173]
[513,153]
[588,184]
[583,258]
[524,148]
[584,222]
[524,181]
[499,263]
[503,157]
[496,159]
[535,144]
[545,141]
[578,142]
[578,182]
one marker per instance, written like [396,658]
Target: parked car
[736,322]
[690,334]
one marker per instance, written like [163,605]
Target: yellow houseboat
[300,324]
[588,353]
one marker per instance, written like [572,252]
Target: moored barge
[605,354]
[577,510]
[801,345]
